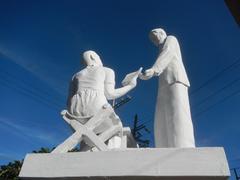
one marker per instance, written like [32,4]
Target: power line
[28,91]
[217,92]
[122,102]
[35,124]
[29,94]
[22,82]
[218,102]
[40,98]
[210,107]
[233,65]
[212,95]
[35,97]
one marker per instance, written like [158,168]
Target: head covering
[157,34]
[91,58]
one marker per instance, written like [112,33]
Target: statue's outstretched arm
[111,92]
[165,57]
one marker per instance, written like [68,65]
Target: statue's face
[157,37]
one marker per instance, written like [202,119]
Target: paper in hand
[129,77]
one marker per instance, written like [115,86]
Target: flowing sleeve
[165,56]
[109,76]
[109,86]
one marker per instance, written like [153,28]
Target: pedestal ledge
[149,163]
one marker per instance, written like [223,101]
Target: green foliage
[10,171]
[74,150]
[43,150]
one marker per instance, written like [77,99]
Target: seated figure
[91,88]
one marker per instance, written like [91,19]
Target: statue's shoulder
[76,74]
[108,70]
[171,38]
[171,41]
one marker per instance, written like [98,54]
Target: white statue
[172,124]
[90,90]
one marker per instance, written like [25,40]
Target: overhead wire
[228,85]
[27,91]
[217,75]
[235,64]
[217,103]
[28,94]
[40,92]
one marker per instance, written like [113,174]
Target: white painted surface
[89,92]
[172,123]
[91,87]
[158,163]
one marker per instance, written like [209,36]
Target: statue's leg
[69,143]
[180,122]
[104,136]
[94,139]
[160,126]
[89,135]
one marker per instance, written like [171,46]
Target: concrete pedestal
[149,163]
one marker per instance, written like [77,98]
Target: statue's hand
[131,78]
[133,82]
[148,74]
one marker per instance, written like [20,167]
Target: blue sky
[40,47]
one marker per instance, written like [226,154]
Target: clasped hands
[131,79]
[148,74]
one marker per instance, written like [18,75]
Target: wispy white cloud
[45,68]
[28,133]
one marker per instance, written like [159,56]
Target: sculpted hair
[91,58]
[159,31]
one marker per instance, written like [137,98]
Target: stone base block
[139,164]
